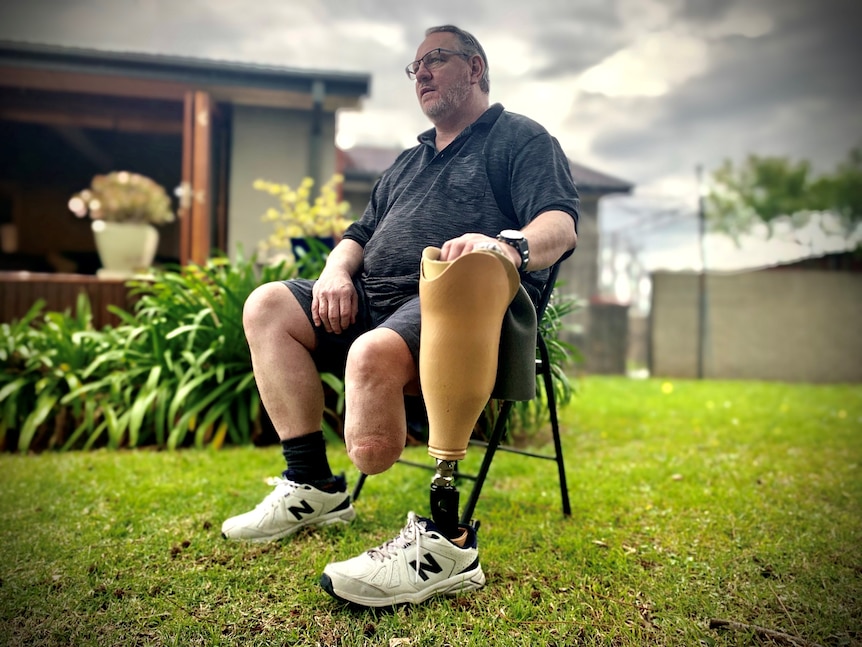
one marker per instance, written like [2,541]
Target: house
[206,128]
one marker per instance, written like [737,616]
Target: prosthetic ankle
[462,304]
[444,498]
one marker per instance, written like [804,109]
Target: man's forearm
[346,257]
[550,235]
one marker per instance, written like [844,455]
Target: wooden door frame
[196,199]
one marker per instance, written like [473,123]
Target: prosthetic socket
[462,304]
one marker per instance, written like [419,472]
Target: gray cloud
[791,91]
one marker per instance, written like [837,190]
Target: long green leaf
[12,388]
[44,405]
[97,432]
[200,405]
[183,392]
[115,429]
[161,417]
[142,403]
[87,424]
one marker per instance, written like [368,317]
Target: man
[362,315]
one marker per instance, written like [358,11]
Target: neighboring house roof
[178,69]
[593,181]
[367,163]
[849,261]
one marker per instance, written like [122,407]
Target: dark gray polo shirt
[426,198]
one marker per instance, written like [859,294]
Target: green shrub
[44,361]
[176,371]
[178,365]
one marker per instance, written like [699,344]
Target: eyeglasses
[432,60]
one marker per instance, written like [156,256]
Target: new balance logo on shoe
[299,511]
[431,567]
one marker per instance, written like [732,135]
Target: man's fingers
[315,311]
[334,308]
[452,249]
[331,319]
[335,315]
[347,311]
[457,247]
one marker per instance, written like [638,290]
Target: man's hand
[334,301]
[465,244]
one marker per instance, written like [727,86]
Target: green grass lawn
[691,501]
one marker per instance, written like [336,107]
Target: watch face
[512,233]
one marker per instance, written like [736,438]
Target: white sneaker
[288,508]
[418,563]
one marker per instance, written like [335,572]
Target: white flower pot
[125,248]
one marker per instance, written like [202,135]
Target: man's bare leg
[281,339]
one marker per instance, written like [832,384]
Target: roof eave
[180,69]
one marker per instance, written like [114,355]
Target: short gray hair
[469,45]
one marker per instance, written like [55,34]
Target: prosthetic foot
[462,303]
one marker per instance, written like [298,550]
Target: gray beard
[450,102]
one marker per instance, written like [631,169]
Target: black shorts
[331,353]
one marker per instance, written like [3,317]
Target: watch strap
[523,249]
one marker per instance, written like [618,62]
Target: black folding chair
[495,440]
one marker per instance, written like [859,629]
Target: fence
[20,290]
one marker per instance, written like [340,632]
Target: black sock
[306,460]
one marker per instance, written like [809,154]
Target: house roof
[592,181]
[367,163]
[848,261]
[218,74]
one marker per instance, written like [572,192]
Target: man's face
[443,90]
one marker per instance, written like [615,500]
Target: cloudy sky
[645,90]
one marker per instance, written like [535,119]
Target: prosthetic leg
[462,304]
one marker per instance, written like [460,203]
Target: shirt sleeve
[542,180]
[362,230]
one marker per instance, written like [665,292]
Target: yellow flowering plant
[299,216]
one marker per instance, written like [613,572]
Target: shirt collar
[485,120]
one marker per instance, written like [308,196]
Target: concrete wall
[269,144]
[607,341]
[638,341]
[579,274]
[788,325]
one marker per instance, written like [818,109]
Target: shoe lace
[410,534]
[282,487]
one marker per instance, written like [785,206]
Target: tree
[766,189]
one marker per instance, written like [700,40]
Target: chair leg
[555,424]
[358,487]
[490,450]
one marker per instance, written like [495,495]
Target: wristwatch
[516,239]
